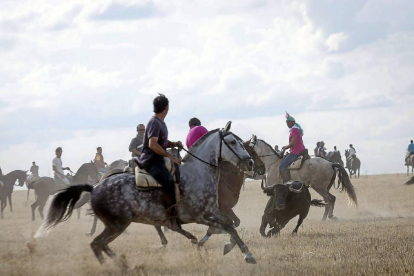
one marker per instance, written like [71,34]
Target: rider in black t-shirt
[155,144]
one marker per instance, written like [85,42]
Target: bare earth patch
[375,238]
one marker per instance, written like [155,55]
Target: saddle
[143,179]
[297,164]
[295,186]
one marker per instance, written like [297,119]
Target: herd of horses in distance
[117,202]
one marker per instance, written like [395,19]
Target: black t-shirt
[155,128]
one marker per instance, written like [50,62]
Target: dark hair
[350,145]
[318,144]
[411,141]
[160,103]
[58,148]
[98,148]
[194,122]
[334,147]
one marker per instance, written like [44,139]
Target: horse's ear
[253,141]
[227,127]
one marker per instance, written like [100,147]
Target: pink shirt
[298,147]
[194,134]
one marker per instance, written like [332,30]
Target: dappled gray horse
[46,186]
[7,187]
[317,173]
[118,202]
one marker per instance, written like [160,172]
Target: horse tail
[62,206]
[317,203]
[343,179]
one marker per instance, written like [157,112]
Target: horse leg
[164,241]
[100,244]
[10,202]
[234,217]
[210,231]
[93,229]
[332,206]
[79,212]
[326,197]
[34,206]
[41,207]
[222,224]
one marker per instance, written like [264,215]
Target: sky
[83,74]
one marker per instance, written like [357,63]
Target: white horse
[317,173]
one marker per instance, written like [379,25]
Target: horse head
[233,150]
[259,167]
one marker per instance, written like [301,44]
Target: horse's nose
[250,163]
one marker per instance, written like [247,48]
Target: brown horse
[230,184]
[7,188]
[46,186]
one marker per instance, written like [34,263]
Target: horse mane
[271,148]
[204,137]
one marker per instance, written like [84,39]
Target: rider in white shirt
[352,151]
[58,169]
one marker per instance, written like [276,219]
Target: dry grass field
[375,238]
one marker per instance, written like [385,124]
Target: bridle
[220,158]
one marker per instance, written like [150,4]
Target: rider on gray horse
[155,144]
[295,145]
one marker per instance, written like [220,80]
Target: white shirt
[57,162]
[352,151]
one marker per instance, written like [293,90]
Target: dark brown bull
[286,202]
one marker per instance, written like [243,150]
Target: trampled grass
[375,238]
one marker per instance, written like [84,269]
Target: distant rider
[322,150]
[410,150]
[195,133]
[99,161]
[316,150]
[34,169]
[59,175]
[295,145]
[135,147]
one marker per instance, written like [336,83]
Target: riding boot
[285,176]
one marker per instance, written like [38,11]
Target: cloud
[75,70]
[122,11]
[334,41]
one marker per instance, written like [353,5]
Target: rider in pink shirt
[295,145]
[196,131]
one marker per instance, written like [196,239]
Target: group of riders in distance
[160,188]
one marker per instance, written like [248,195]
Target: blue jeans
[287,161]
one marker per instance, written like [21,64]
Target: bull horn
[265,189]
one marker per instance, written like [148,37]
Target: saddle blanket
[296,165]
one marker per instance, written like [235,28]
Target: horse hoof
[227,248]
[194,241]
[250,259]
[89,234]
[333,218]
[162,246]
